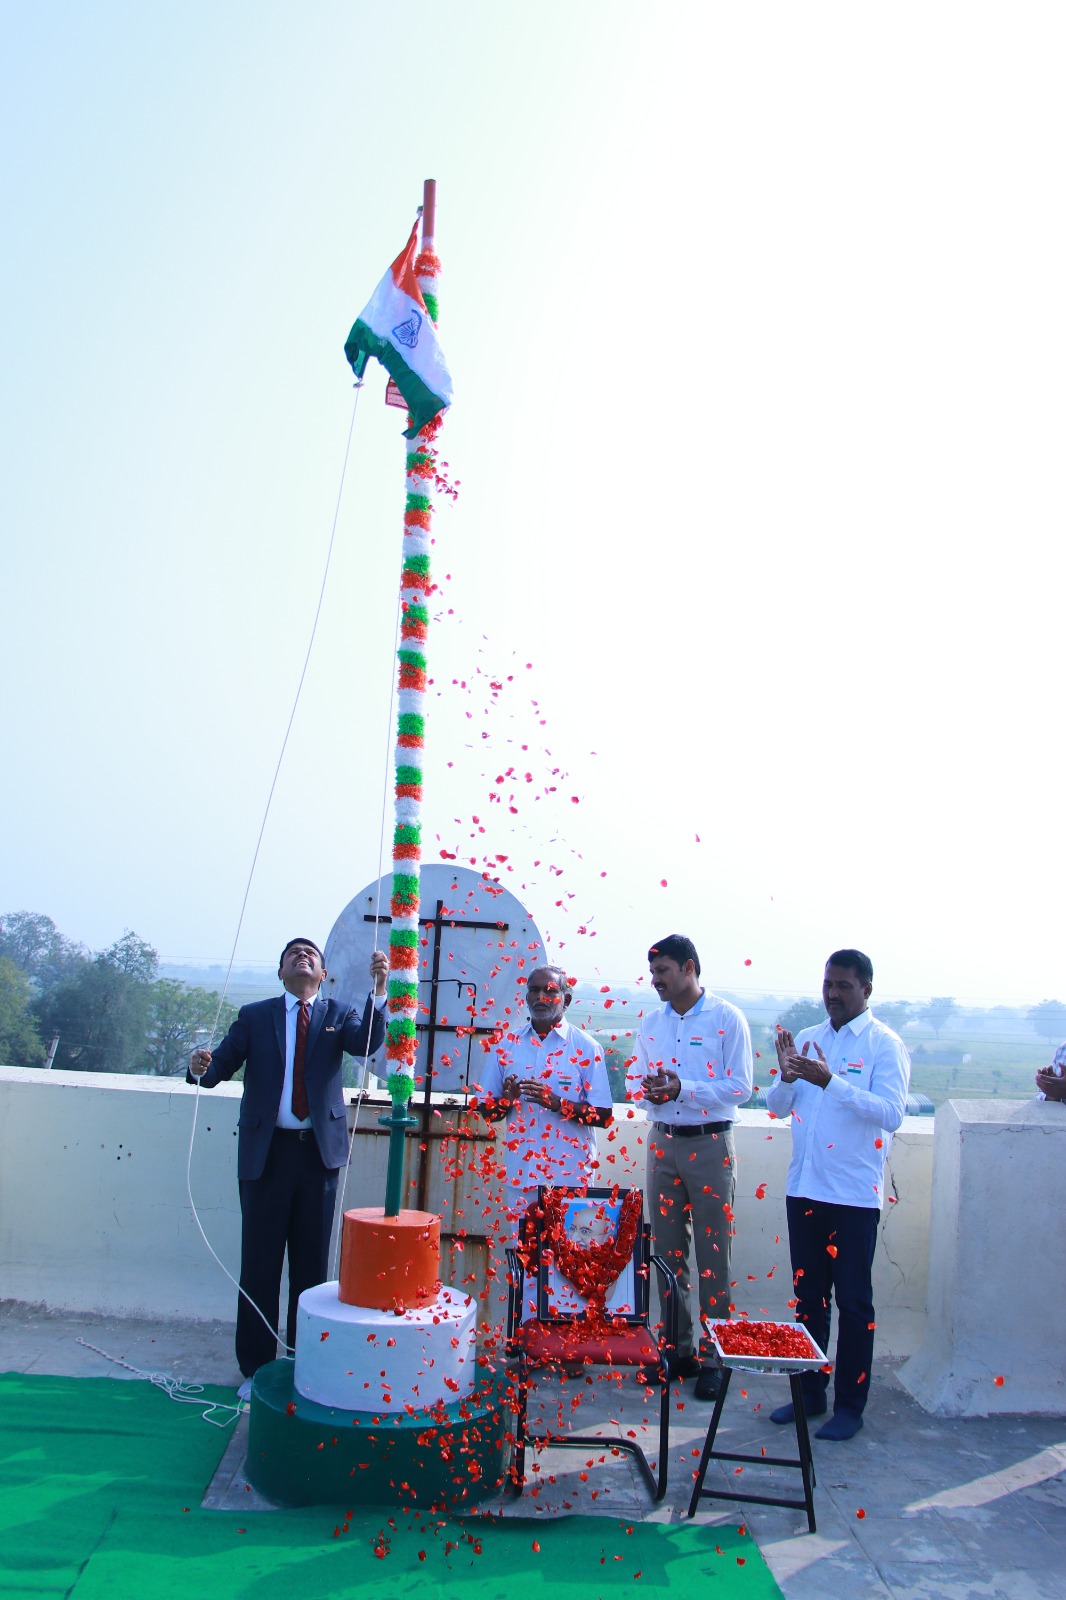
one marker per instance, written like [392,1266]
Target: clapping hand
[1052,1085]
[799,1063]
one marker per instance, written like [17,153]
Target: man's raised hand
[201,1060]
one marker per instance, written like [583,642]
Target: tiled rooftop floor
[954,1510]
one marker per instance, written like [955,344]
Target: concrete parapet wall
[997,1288]
[761,1269]
[94,1214]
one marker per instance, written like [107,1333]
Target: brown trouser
[691,1184]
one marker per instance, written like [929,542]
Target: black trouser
[290,1206]
[832,1249]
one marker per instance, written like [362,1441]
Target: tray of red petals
[765,1346]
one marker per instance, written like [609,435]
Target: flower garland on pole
[398,327]
[415,587]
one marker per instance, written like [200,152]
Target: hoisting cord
[251,872]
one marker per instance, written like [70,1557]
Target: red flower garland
[591,1268]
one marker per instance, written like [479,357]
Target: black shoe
[708,1384]
[681,1367]
[787,1413]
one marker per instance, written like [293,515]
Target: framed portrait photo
[588,1220]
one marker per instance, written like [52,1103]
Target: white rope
[292,713]
[334,1270]
[186,1394]
[196,1218]
[251,872]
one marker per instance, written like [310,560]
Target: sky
[756,325]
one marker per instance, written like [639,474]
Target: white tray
[746,1363]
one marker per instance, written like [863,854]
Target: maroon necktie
[300,1108]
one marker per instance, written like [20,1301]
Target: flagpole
[415,587]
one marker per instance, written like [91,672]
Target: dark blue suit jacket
[256,1041]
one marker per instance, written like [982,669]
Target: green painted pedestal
[448,1457]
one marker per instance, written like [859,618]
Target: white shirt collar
[692,1010]
[291,1002]
[857,1024]
[562,1028]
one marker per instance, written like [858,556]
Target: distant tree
[20,1044]
[802,1014]
[178,1020]
[894,1013]
[937,1012]
[1049,1020]
[37,948]
[102,1011]
[132,956]
[616,1052]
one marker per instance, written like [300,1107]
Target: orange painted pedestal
[389,1262]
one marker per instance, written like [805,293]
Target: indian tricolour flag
[397,329]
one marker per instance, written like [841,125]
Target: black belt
[296,1133]
[693,1130]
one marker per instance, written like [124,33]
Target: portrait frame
[558,1300]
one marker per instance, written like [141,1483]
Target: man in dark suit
[292,1134]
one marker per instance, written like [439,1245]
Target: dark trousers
[832,1249]
[289,1207]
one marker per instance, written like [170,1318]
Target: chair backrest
[591,1220]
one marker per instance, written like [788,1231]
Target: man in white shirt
[550,1083]
[692,1069]
[845,1085]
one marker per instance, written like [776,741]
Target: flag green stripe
[422,403]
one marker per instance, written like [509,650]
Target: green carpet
[100,1489]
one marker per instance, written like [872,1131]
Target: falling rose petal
[999,1382]
[860,1513]
[662,883]
[747,962]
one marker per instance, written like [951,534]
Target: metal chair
[559,1338]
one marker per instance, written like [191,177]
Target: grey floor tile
[832,1578]
[922,1537]
[951,1580]
[954,1507]
[1006,1536]
[1016,1585]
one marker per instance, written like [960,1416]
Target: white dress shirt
[292,1011]
[841,1134]
[709,1047]
[540,1146]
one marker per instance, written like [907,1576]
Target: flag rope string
[412,621]
[361,1086]
[251,873]
[186,1394]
